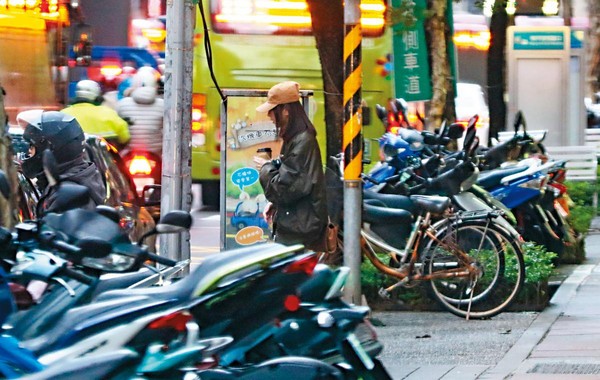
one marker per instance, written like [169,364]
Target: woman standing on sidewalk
[294,183]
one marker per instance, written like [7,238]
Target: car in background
[135,217]
[469,101]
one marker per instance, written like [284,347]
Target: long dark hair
[298,121]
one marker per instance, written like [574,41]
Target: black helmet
[54,130]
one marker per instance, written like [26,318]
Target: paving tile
[570,342]
[429,372]
[465,372]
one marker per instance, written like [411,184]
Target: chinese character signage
[411,66]
[539,40]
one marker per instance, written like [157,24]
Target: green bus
[258,43]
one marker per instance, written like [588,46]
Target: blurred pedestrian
[96,118]
[143,108]
[294,183]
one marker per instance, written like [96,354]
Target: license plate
[360,352]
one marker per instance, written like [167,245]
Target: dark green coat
[297,190]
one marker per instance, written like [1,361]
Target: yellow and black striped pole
[352,146]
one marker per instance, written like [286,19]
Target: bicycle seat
[491,178]
[431,203]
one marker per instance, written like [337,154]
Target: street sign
[538,40]
[411,66]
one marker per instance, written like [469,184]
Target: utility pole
[352,147]
[176,160]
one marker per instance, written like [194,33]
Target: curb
[515,359]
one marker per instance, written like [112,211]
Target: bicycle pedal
[383,293]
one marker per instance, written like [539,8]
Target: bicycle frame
[410,254]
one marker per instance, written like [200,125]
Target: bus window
[284,18]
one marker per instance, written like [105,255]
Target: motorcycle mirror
[109,212]
[401,105]
[518,120]
[473,147]
[443,130]
[381,113]
[470,134]
[455,131]
[94,248]
[151,195]
[50,167]
[4,185]
[174,221]
[430,138]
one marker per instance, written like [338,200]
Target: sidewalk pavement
[562,342]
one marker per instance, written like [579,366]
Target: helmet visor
[33,117]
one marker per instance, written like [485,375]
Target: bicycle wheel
[496,255]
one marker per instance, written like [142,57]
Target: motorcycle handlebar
[162,260]
[78,276]
[63,246]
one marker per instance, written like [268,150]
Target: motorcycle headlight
[111,263]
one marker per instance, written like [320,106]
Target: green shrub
[581,210]
[580,218]
[581,193]
[538,263]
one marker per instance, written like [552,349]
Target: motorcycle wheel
[493,251]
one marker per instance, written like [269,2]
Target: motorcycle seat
[396,201]
[374,214]
[208,273]
[98,366]
[72,320]
[121,280]
[491,178]
[431,203]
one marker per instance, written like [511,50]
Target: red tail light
[111,71]
[176,321]
[306,265]
[141,164]
[291,303]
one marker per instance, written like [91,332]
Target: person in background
[63,136]
[294,183]
[125,80]
[96,118]
[143,108]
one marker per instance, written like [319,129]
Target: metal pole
[176,167]
[352,146]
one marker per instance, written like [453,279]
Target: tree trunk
[496,63]
[328,28]
[594,47]
[8,207]
[440,68]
